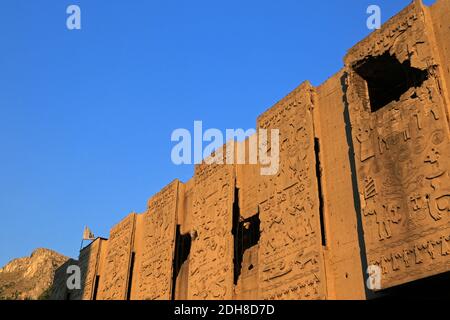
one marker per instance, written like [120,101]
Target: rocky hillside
[30,277]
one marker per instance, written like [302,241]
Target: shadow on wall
[88,276]
[60,290]
[433,288]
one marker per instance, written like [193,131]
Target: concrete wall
[401,148]
[60,290]
[344,255]
[440,12]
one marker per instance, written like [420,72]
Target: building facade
[363,188]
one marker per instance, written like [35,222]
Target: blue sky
[86,116]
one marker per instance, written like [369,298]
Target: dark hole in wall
[130,277]
[182,250]
[246,234]
[319,185]
[97,280]
[388,79]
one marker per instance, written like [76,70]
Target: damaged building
[363,183]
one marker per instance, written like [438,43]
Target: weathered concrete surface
[342,250]
[402,149]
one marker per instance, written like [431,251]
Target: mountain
[30,277]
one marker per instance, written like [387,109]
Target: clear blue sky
[86,116]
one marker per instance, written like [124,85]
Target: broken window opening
[182,250]
[320,190]
[130,277]
[246,234]
[388,79]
